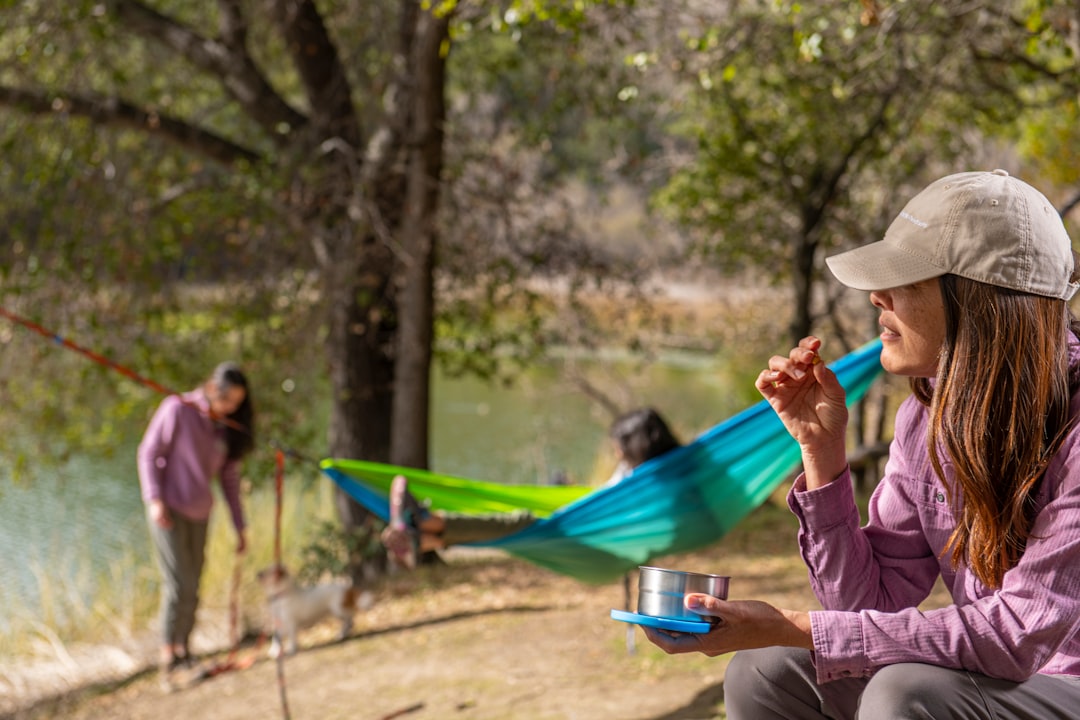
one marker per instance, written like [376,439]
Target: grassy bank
[121,602]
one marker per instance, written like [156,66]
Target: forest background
[340,195]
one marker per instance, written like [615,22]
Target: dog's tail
[357,599]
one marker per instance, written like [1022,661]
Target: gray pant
[180,552]
[779,683]
[464,528]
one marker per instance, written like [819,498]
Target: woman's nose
[879,299]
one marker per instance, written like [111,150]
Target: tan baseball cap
[985,226]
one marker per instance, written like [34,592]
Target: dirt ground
[482,637]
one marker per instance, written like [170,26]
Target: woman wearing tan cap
[982,487]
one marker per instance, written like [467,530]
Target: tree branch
[227,59]
[826,191]
[316,59]
[233,24]
[115,112]
[593,392]
[1069,205]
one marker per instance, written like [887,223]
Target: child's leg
[398,537]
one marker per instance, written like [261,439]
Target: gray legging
[780,684]
[463,528]
[180,552]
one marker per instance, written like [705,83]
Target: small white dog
[293,608]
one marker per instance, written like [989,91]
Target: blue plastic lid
[691,626]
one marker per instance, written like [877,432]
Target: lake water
[75,520]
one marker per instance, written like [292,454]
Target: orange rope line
[111,364]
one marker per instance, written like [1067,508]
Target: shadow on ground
[43,708]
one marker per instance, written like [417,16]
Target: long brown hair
[999,408]
[238,443]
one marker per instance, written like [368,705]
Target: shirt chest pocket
[931,495]
[935,514]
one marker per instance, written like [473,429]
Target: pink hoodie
[181,452]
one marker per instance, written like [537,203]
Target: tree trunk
[382,307]
[427,65]
[361,372]
[802,281]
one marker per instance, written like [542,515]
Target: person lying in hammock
[637,436]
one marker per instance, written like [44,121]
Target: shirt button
[940,497]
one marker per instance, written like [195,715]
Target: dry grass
[91,630]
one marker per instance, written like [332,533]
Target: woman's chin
[898,365]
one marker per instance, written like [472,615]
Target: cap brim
[880,266]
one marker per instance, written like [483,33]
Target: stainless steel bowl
[661,591]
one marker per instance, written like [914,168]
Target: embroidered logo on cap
[913,220]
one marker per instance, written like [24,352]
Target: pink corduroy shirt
[870,579]
[181,453]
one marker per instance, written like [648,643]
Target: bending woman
[982,486]
[183,449]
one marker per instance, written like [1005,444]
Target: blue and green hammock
[683,500]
